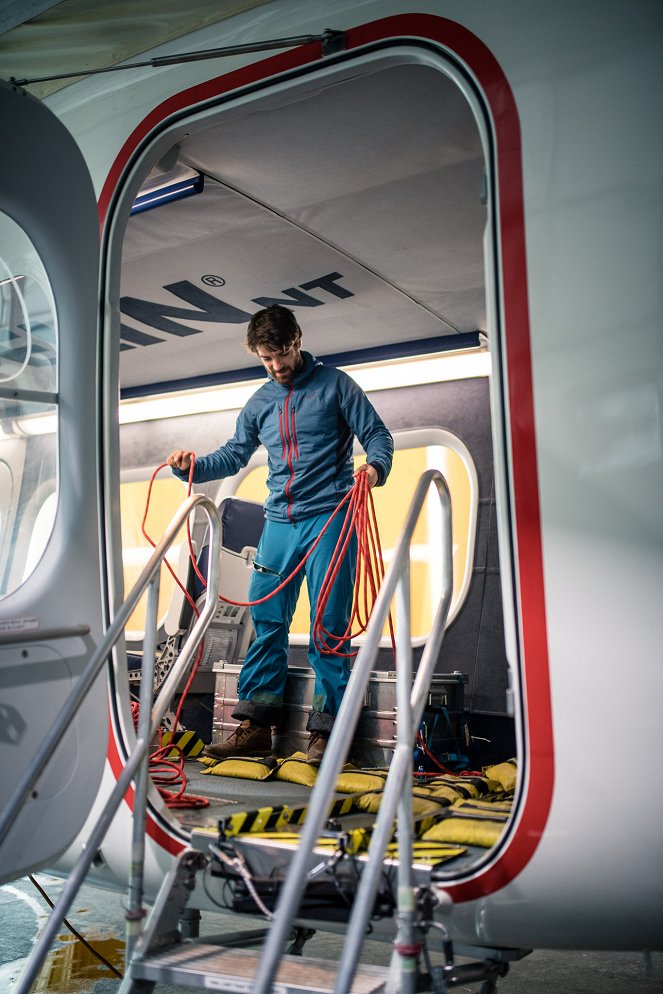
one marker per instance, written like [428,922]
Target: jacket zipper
[294,433]
[281,433]
[290,449]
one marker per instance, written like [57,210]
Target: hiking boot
[317,744]
[248,739]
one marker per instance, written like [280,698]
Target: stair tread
[197,961]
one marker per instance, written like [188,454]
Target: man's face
[282,365]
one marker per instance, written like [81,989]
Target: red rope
[165,771]
[421,742]
[360,519]
[288,578]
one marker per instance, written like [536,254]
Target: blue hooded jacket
[307,428]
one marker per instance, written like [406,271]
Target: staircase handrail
[410,705]
[138,755]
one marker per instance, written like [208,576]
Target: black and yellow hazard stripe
[271,819]
[189,743]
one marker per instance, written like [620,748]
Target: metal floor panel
[228,795]
[234,970]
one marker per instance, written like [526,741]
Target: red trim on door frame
[494,86]
[155,831]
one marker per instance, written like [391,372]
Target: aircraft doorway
[361,197]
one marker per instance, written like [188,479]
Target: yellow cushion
[207,760]
[505,773]
[369,802]
[474,823]
[444,790]
[465,832]
[486,807]
[244,768]
[295,769]
[353,781]
[423,804]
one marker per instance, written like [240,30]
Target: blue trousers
[262,678]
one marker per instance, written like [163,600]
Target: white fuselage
[567,110]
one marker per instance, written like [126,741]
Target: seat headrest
[242,522]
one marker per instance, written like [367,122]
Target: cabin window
[28,406]
[41,532]
[415,453]
[166,498]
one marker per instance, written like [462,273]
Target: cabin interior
[361,201]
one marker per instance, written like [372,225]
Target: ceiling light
[156,194]
[423,369]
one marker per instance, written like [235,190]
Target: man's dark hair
[275,327]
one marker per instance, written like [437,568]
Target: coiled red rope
[360,520]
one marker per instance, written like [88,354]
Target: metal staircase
[231,963]
[162,956]
[160,952]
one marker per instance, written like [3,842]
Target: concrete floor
[99,916]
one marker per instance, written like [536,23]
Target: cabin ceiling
[358,205]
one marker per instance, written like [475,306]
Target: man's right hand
[181,459]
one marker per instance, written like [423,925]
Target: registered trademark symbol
[213,280]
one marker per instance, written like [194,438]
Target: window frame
[18,515]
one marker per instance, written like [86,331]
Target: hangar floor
[99,915]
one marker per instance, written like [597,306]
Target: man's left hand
[371,472]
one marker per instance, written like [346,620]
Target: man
[305,415]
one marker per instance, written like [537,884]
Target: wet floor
[72,969]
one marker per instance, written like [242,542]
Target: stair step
[213,968]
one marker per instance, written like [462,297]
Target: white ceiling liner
[377,178]
[95,34]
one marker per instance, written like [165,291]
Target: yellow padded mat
[470,823]
[295,769]
[505,773]
[244,768]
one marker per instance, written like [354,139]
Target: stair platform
[211,967]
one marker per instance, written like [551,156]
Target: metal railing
[136,765]
[397,797]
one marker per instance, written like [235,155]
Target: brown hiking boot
[317,744]
[248,739]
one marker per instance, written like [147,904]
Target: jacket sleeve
[229,458]
[365,422]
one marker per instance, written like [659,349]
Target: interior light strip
[166,194]
[370,377]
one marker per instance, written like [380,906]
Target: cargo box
[375,738]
